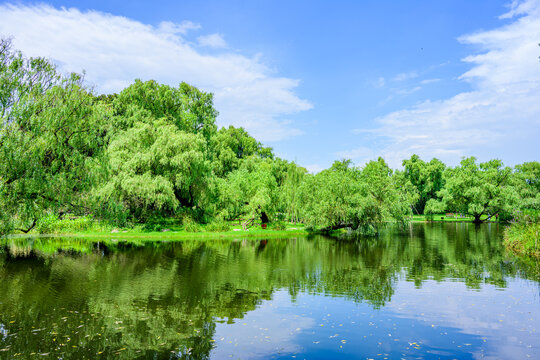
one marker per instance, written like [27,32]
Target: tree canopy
[426,177]
[155,150]
[477,189]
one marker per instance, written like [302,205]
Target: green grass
[523,239]
[173,231]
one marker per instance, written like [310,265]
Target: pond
[440,291]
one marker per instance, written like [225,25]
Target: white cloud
[406,76]
[500,117]
[183,28]
[429,81]
[520,7]
[281,333]
[408,91]
[114,50]
[214,41]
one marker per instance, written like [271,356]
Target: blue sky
[319,81]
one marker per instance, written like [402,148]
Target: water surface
[440,291]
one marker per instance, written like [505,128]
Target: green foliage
[51,224]
[47,224]
[22,78]
[527,216]
[279,225]
[476,190]
[362,199]
[153,151]
[188,108]
[290,196]
[218,225]
[523,238]
[154,223]
[249,191]
[527,183]
[427,178]
[190,225]
[231,145]
[155,168]
[50,145]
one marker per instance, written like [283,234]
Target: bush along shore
[523,239]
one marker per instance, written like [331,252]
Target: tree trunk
[26,231]
[477,219]
[336,227]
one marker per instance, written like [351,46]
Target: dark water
[442,291]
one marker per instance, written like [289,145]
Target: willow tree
[477,190]
[231,145]
[188,108]
[426,177]
[21,78]
[251,191]
[155,168]
[363,199]
[290,192]
[527,183]
[49,146]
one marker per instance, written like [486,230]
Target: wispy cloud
[406,76]
[114,50]
[215,41]
[500,116]
[379,83]
[429,81]
[408,91]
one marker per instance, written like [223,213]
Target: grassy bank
[165,229]
[136,234]
[523,239]
[173,229]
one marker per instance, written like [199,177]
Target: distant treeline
[154,151]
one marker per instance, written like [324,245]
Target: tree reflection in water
[74,297]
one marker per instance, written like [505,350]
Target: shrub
[154,224]
[190,225]
[47,224]
[218,225]
[279,225]
[523,238]
[51,224]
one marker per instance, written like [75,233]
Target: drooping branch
[26,231]
[336,227]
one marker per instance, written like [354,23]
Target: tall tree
[251,190]
[344,196]
[190,109]
[49,147]
[155,168]
[426,177]
[22,78]
[290,192]
[231,145]
[527,182]
[476,190]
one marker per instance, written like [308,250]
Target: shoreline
[180,234]
[523,240]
